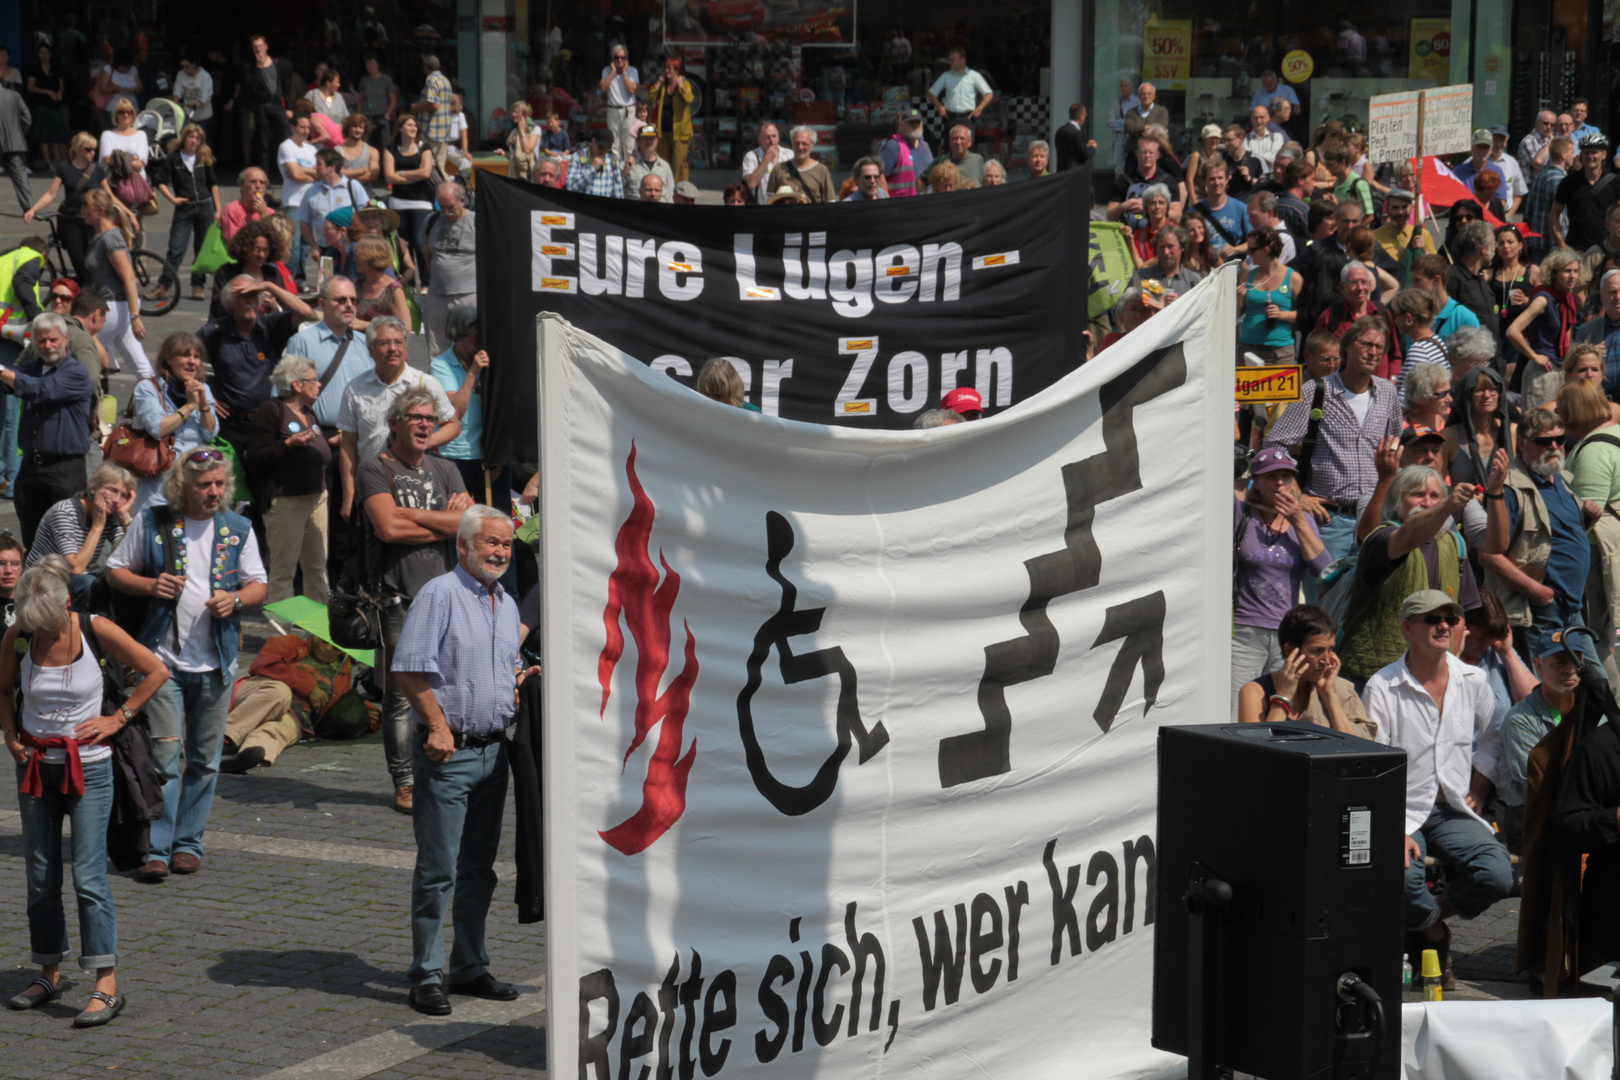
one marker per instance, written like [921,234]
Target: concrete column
[1067,32]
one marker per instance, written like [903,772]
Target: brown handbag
[135,450]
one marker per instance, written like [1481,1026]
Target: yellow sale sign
[1167,52]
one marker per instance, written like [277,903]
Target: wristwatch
[125,710]
[238,598]
[1497,495]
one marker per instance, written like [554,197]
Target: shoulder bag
[133,449]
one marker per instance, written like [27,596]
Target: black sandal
[25,1001]
[114,1003]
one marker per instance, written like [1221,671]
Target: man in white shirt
[1515,188]
[198,565]
[961,93]
[758,162]
[363,416]
[619,81]
[1435,707]
[296,159]
[1262,142]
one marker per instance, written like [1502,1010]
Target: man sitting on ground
[1435,707]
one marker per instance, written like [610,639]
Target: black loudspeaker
[1279,889]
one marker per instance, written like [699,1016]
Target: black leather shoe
[485,986]
[430,998]
[242,762]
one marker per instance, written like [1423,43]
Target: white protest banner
[1448,113]
[1392,126]
[850,734]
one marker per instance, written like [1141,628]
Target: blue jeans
[457,817]
[191,221]
[1339,537]
[188,710]
[1479,872]
[42,844]
[299,253]
[10,459]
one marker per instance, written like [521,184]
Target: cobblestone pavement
[286,955]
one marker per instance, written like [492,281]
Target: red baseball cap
[963,400]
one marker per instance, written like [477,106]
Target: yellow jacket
[682,111]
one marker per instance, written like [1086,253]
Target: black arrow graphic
[1141,623]
[1096,479]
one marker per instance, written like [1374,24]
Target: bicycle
[157,281]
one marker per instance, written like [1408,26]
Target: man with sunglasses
[1437,708]
[1536,553]
[340,357]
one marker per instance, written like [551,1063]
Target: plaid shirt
[437,92]
[465,636]
[1529,147]
[1539,205]
[1342,469]
[608,181]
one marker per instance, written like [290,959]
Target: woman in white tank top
[65,770]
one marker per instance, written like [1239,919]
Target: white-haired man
[198,565]
[54,432]
[459,663]
[811,175]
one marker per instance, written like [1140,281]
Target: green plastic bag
[214,254]
[242,493]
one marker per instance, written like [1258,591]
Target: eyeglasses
[61,298]
[351,301]
[197,457]
[1546,441]
[389,343]
[1434,618]
[419,418]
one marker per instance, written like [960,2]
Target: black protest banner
[859,313]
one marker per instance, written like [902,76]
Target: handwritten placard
[1392,126]
[1448,113]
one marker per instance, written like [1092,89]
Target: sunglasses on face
[1434,618]
[61,298]
[1546,441]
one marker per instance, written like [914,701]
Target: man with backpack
[1536,553]
[1331,430]
[1228,218]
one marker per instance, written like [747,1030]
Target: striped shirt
[469,648]
[1342,468]
[62,531]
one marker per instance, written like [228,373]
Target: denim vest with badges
[230,532]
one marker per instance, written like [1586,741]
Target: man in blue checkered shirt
[1543,193]
[595,170]
[1604,331]
[458,664]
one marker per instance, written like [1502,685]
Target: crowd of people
[1445,496]
[1426,545]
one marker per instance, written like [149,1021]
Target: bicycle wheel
[157,281]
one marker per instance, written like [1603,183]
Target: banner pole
[1417,173]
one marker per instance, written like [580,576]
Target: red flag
[1442,188]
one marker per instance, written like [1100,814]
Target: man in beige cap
[1436,708]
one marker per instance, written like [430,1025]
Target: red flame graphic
[634,590]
